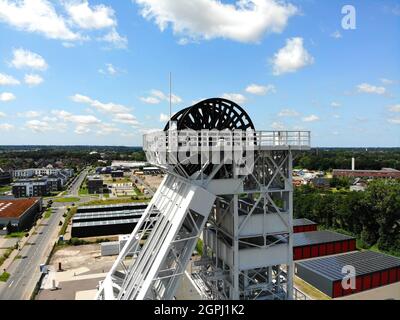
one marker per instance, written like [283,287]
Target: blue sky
[96,72]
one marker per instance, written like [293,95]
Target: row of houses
[39,182]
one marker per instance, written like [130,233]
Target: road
[25,271]
[73,189]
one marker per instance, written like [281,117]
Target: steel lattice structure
[244,218]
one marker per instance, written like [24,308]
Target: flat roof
[303,222]
[318,237]
[15,208]
[118,205]
[364,262]
[104,223]
[108,215]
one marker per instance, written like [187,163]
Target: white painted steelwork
[245,220]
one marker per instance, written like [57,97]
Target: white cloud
[387,81]
[126,118]
[288,113]
[244,21]
[29,114]
[115,39]
[394,120]
[33,79]
[104,107]
[38,126]
[38,16]
[7,97]
[235,97]
[156,96]
[336,34]
[292,57]
[86,17]
[110,70]
[6,80]
[6,127]
[310,118]
[164,117]
[78,119]
[106,129]
[394,108]
[150,100]
[82,129]
[335,104]
[260,90]
[277,126]
[2,114]
[26,59]
[368,88]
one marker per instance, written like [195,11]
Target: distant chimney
[353,164]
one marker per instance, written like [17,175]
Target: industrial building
[95,184]
[321,243]
[372,270]
[93,221]
[367,174]
[304,225]
[18,214]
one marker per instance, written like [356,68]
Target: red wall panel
[314,251]
[392,275]
[376,279]
[366,282]
[337,289]
[338,247]
[384,277]
[306,252]
[322,249]
[297,253]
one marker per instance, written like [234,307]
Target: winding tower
[230,186]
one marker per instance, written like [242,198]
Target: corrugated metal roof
[302,222]
[109,216]
[318,237]
[364,262]
[104,223]
[119,205]
[99,214]
[16,208]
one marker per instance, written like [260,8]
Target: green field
[4,189]
[16,235]
[67,199]
[114,201]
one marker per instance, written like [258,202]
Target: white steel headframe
[245,222]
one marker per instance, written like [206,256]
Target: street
[24,271]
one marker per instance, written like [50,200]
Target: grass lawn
[69,199]
[20,234]
[47,214]
[114,201]
[5,189]
[4,276]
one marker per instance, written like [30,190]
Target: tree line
[373,216]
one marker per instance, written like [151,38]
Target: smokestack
[353,164]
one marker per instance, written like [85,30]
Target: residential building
[31,188]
